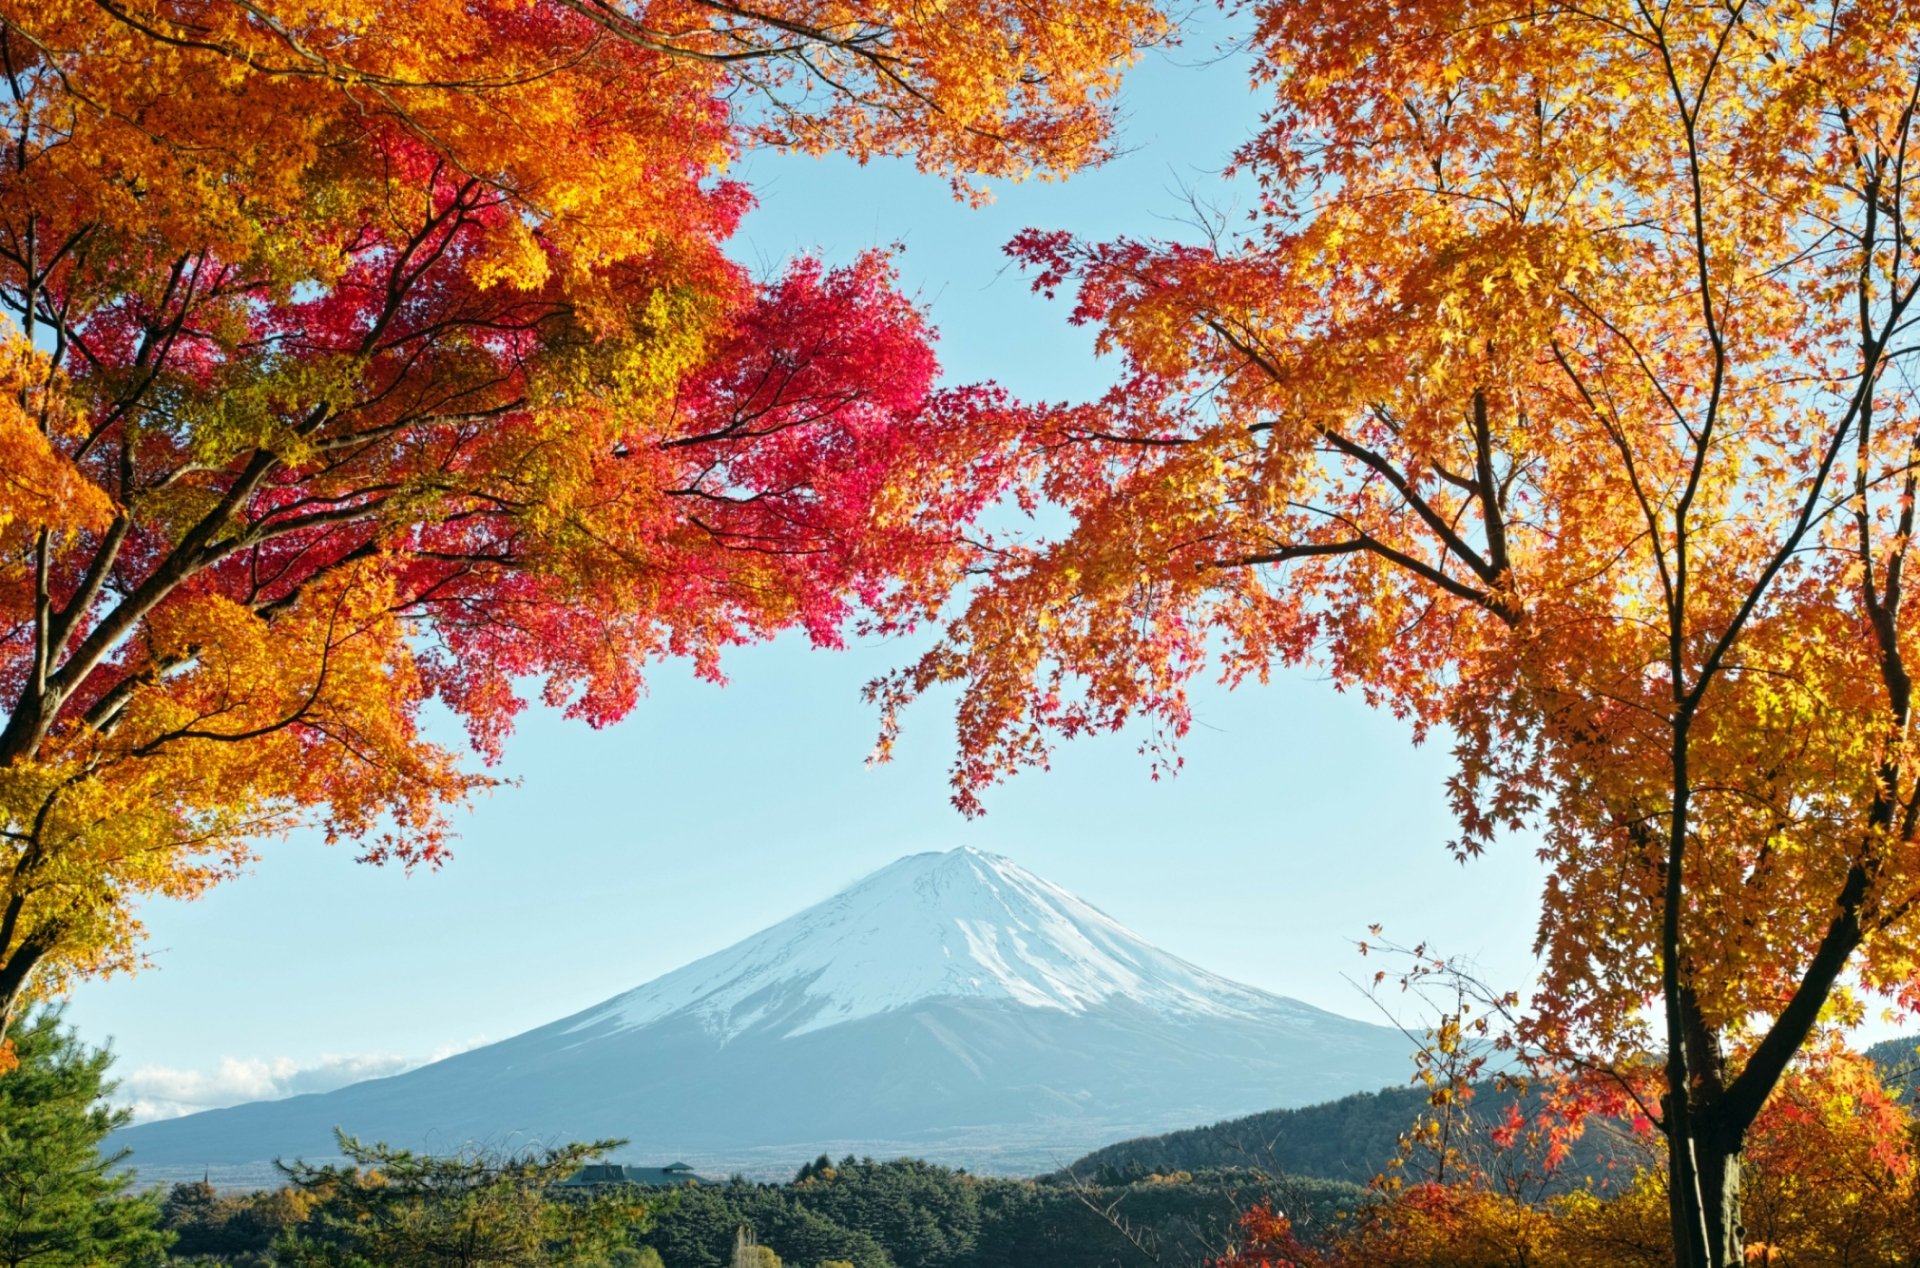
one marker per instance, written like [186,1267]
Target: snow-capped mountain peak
[960,924]
[950,1006]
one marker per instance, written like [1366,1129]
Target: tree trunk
[1707,1228]
[16,970]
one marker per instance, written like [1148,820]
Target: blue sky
[1301,818]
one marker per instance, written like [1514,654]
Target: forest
[1818,1193]
[898,1214]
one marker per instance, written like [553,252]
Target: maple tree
[1268,1241]
[361,357]
[1831,1176]
[1559,400]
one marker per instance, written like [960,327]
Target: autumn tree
[749,1253]
[231,1228]
[1559,400]
[1267,1240]
[361,356]
[1629,1228]
[1831,1169]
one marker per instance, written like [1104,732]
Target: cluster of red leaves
[1268,1241]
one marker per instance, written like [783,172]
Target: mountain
[952,1006]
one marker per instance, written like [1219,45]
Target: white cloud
[156,1091]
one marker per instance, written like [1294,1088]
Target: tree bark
[16,970]
[1707,1227]
[1719,1172]
[1704,1145]
[1707,1117]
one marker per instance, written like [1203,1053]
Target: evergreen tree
[63,1203]
[237,1229]
[393,1207]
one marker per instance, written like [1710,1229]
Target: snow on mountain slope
[960,924]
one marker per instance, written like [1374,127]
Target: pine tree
[63,1203]
[390,1207]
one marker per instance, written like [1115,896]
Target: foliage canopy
[1559,400]
[364,356]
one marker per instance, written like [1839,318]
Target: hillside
[1899,1062]
[910,1214]
[1351,1140]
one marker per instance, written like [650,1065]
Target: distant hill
[1352,1139]
[1899,1062]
